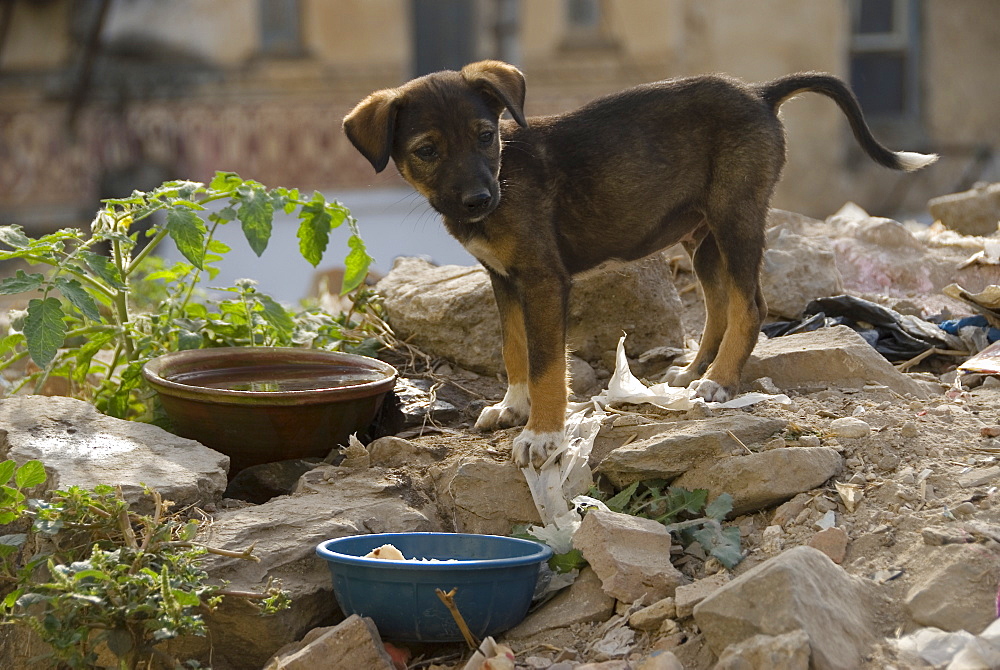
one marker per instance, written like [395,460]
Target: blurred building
[98,97]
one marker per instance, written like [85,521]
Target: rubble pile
[865,501]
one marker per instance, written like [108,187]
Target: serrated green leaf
[7,469]
[314,229]
[78,296]
[7,344]
[44,329]
[21,282]
[187,230]
[720,507]
[187,340]
[276,315]
[255,214]
[225,182]
[571,560]
[722,543]
[218,247]
[618,502]
[355,265]
[31,474]
[102,266]
[14,237]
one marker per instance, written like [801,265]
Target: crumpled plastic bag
[896,336]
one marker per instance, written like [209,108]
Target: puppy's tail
[776,92]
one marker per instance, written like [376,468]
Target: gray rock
[285,532]
[584,601]
[689,595]
[798,589]
[630,554]
[417,406]
[766,478]
[80,446]
[638,299]
[797,269]
[972,572]
[395,452]
[486,496]
[779,652]
[684,445]
[850,427]
[259,483]
[973,212]
[652,617]
[836,357]
[352,644]
[449,311]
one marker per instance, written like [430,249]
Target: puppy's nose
[476,199]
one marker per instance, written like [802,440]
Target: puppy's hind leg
[513,410]
[745,308]
[708,266]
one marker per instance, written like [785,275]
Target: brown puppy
[691,160]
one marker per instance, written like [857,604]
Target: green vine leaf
[32,473]
[102,266]
[13,237]
[314,231]
[78,296]
[21,282]
[187,230]
[355,265]
[44,329]
[256,214]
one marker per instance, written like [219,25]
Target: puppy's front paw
[511,411]
[499,416]
[536,448]
[711,391]
[679,376]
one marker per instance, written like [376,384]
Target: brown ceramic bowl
[264,404]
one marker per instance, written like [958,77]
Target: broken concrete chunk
[850,427]
[832,542]
[689,595]
[778,652]
[486,496]
[824,358]
[683,445]
[797,269]
[652,617]
[972,212]
[354,643]
[763,479]
[973,572]
[799,589]
[584,601]
[630,554]
[80,446]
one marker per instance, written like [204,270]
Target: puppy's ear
[370,126]
[503,82]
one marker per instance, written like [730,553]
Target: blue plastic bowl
[494,576]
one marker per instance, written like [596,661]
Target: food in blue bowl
[493,577]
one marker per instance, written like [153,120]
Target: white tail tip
[911,161]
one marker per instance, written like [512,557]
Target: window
[884,57]
[280,28]
[587,25]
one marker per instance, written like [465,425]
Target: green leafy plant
[107,578]
[686,514]
[96,317]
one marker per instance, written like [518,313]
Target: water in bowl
[278,378]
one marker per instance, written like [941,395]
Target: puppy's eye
[486,137]
[426,152]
